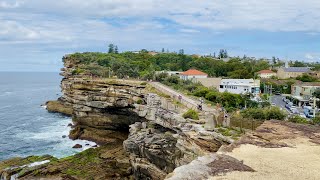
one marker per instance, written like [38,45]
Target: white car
[302,115]
[292,108]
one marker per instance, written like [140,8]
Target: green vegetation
[143,65]
[228,131]
[192,114]
[298,119]
[307,78]
[139,101]
[264,113]
[228,100]
[316,120]
[282,86]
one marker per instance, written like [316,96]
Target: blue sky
[35,34]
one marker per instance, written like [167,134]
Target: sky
[35,34]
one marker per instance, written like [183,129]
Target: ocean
[26,128]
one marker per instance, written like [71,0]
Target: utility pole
[314,106]
[270,97]
[109,72]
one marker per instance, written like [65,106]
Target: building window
[221,86]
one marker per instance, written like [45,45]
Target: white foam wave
[55,132]
[38,163]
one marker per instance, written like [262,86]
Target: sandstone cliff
[156,140]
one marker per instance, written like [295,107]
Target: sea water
[26,128]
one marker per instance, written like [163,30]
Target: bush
[173,79]
[316,120]
[298,119]
[192,114]
[212,96]
[201,92]
[266,113]
[306,78]
[275,113]
[77,71]
[254,113]
[139,101]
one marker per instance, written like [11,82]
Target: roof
[191,72]
[245,82]
[297,69]
[267,71]
[307,84]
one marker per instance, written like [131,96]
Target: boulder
[77,146]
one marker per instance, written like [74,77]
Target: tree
[111,48]
[223,53]
[162,50]
[274,60]
[214,54]
[306,78]
[181,51]
[116,50]
[244,57]
[316,93]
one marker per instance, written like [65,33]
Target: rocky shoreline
[140,136]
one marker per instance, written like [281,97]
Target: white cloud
[9,5]
[41,27]
[311,57]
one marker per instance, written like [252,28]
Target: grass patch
[192,114]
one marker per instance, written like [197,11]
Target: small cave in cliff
[105,125]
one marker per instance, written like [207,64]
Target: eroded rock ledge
[109,112]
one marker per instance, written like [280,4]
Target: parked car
[277,93]
[273,104]
[288,105]
[292,108]
[302,115]
[295,111]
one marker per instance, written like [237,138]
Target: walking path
[185,100]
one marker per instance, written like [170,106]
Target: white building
[170,73]
[240,86]
[266,74]
[192,74]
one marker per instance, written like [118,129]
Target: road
[277,100]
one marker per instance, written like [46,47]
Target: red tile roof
[191,72]
[265,71]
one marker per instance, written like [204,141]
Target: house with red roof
[266,73]
[192,74]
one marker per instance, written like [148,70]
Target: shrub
[143,83]
[316,120]
[266,113]
[173,79]
[254,113]
[306,78]
[139,101]
[298,119]
[192,114]
[275,113]
[201,92]
[77,71]
[212,96]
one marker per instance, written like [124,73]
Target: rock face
[101,110]
[105,110]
